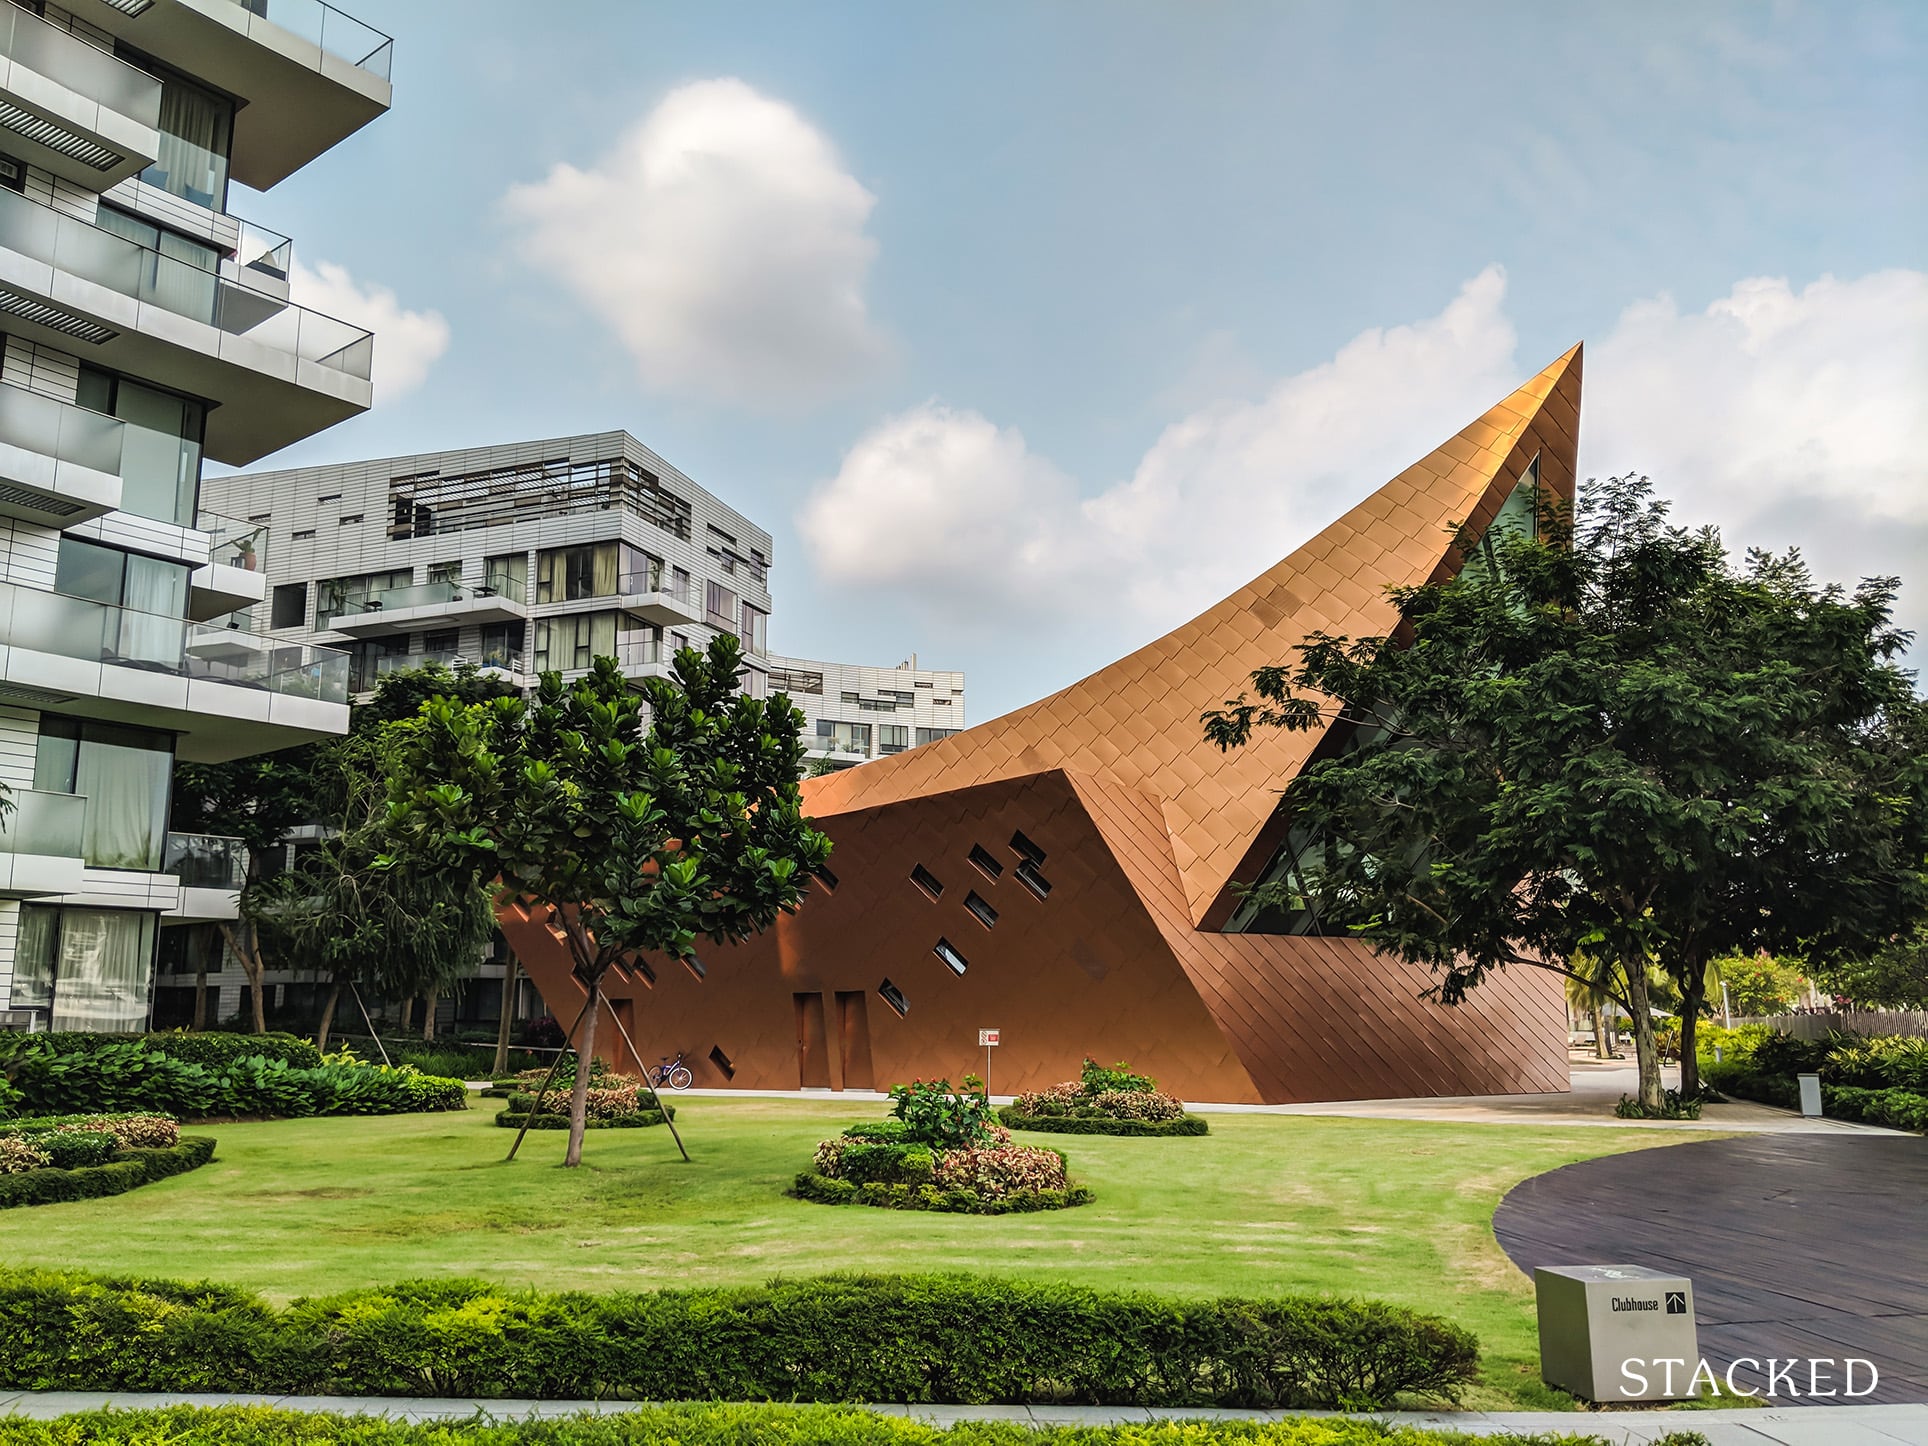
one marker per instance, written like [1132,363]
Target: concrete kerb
[1902,1425]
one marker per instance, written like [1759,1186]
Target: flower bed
[614,1102]
[1103,1102]
[944,1150]
[82,1157]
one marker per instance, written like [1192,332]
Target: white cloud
[724,242]
[945,508]
[1770,395]
[407,343]
[1785,417]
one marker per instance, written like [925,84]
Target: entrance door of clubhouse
[813,1045]
[853,1035]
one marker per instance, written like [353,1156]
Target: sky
[1031,330]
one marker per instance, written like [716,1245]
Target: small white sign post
[988,1039]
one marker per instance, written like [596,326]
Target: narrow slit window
[827,879]
[981,910]
[722,1061]
[927,881]
[893,996]
[947,951]
[1036,882]
[1025,849]
[986,862]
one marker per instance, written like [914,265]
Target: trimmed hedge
[128,1170]
[715,1425]
[1896,1109]
[1015,1119]
[211,1050]
[918,1338]
[887,1195]
[642,1119]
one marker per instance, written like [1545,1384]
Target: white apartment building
[147,329]
[518,558]
[853,713]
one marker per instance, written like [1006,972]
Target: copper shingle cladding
[1145,827]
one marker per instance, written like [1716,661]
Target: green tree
[396,931]
[261,799]
[637,838]
[1759,984]
[1893,976]
[1607,737]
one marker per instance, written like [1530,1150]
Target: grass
[1265,1204]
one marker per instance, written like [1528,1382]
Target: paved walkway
[1841,1426]
[1798,1246]
[1597,1087]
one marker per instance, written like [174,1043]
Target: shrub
[996,1173]
[918,1338]
[641,1120]
[1137,1105]
[1093,1079]
[1673,1106]
[890,1130]
[935,1114]
[72,1148]
[124,1171]
[712,1424]
[1014,1117]
[19,1154]
[863,1161]
[956,1200]
[1897,1109]
[129,1131]
[215,1050]
[1885,1062]
[602,1103]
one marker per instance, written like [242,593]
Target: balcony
[40,844]
[60,465]
[310,75]
[662,599]
[281,372]
[72,108]
[212,870]
[236,574]
[227,692]
[424,605]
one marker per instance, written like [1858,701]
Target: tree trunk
[1601,1050]
[328,1014]
[579,1096]
[429,1001]
[251,965]
[1646,1049]
[505,1026]
[1692,995]
[408,1013]
[201,994]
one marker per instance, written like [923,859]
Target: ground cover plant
[951,1339]
[720,1425]
[1879,1081]
[1102,1102]
[216,1076]
[943,1150]
[50,1159]
[1266,1205]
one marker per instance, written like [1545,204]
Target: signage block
[1608,1332]
[986,1038]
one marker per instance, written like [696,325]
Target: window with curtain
[177,273]
[196,135]
[103,969]
[566,574]
[160,447]
[150,593]
[33,957]
[507,575]
[567,643]
[124,773]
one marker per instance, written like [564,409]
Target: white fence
[1855,1021]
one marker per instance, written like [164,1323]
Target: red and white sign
[986,1038]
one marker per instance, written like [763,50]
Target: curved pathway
[1798,1245]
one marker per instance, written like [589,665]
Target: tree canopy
[1604,734]
[638,838]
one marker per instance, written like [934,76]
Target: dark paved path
[1798,1245]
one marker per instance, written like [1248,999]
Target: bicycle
[671,1072]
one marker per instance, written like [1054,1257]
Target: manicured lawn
[1265,1204]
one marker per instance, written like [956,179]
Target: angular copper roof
[1135,724]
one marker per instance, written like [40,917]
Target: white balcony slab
[221,587]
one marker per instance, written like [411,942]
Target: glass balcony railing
[417,595]
[60,430]
[72,627]
[362,46]
[234,543]
[206,860]
[657,580]
[81,67]
[263,255]
[123,265]
[51,824]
